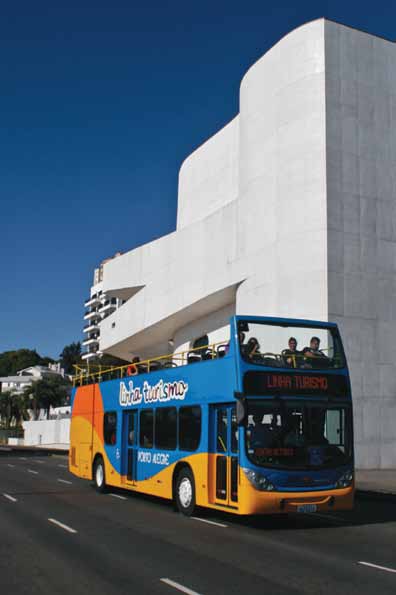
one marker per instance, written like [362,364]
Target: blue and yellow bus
[259,424]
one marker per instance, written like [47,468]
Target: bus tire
[99,475]
[185,492]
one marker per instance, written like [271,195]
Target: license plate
[307,508]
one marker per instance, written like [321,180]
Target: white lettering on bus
[144,457]
[158,458]
[161,458]
[160,392]
[131,396]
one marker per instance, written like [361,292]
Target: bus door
[129,447]
[226,455]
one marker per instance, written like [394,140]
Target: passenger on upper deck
[252,348]
[314,357]
[133,368]
[291,356]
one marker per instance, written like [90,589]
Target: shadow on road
[367,511]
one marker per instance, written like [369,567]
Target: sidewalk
[381,482]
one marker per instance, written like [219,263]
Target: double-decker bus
[259,424]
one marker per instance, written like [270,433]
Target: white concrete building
[290,210]
[25,377]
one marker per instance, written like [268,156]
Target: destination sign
[267,383]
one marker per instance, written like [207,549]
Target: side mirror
[241,409]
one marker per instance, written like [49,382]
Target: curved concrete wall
[282,180]
[208,178]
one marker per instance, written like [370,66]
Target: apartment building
[98,306]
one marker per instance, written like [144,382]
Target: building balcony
[93,351]
[90,354]
[93,325]
[91,340]
[92,301]
[93,314]
[108,306]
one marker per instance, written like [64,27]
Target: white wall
[208,178]
[361,156]
[47,432]
[282,193]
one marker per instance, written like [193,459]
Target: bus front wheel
[99,475]
[185,492]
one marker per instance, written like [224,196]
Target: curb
[8,451]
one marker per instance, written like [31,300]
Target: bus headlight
[345,480]
[258,481]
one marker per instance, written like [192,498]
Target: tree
[12,361]
[70,355]
[13,408]
[5,408]
[20,408]
[50,391]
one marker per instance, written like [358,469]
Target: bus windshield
[290,346]
[299,436]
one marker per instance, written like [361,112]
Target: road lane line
[179,587]
[62,526]
[196,518]
[9,465]
[63,466]
[32,471]
[65,481]
[22,458]
[39,462]
[118,496]
[10,498]
[378,567]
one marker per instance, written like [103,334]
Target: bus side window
[189,428]
[166,428]
[110,427]
[146,437]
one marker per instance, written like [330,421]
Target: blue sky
[100,103]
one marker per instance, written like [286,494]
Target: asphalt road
[57,535]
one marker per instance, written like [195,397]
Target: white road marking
[10,498]
[22,458]
[9,465]
[118,496]
[32,471]
[63,466]
[378,567]
[62,526]
[39,462]
[196,518]
[178,586]
[65,481]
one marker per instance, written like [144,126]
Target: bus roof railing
[92,373]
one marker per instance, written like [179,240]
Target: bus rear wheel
[185,492]
[99,475]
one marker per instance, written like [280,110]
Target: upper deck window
[290,346]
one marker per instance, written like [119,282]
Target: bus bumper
[252,501]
